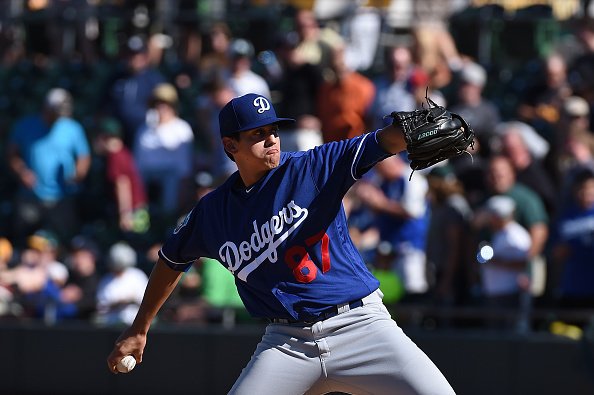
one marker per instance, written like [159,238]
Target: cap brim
[267,121]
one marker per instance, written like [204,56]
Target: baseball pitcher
[279,227]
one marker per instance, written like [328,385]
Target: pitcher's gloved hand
[432,134]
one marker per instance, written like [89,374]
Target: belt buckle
[342,308]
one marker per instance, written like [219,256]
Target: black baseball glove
[432,134]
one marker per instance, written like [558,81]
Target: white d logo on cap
[262,103]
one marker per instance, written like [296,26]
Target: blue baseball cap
[247,112]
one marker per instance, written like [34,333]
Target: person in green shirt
[390,283]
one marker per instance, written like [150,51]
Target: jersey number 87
[297,258]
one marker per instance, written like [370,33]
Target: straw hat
[164,93]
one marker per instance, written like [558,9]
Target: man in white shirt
[121,290]
[504,277]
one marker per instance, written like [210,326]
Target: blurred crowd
[105,155]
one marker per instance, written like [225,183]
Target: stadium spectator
[216,94]
[401,214]
[575,154]
[215,58]
[206,294]
[307,134]
[120,291]
[573,272]
[241,78]
[129,95]
[361,30]
[393,88]
[567,148]
[186,305]
[361,223]
[541,105]
[448,252]
[77,297]
[382,268]
[581,69]
[421,89]
[164,152]
[156,45]
[6,290]
[505,276]
[344,101]
[50,155]
[299,81]
[576,112]
[222,301]
[315,44]
[38,277]
[204,183]
[529,212]
[479,111]
[297,87]
[470,169]
[127,187]
[529,169]
[6,253]
[435,48]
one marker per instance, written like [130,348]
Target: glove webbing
[428,114]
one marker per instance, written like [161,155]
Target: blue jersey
[286,239]
[576,229]
[400,231]
[51,153]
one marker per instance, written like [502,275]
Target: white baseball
[126,364]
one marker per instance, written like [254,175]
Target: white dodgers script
[262,244]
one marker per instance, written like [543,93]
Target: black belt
[324,315]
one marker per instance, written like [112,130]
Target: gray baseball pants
[361,351]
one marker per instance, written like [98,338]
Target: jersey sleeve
[116,166]
[536,212]
[186,243]
[532,210]
[79,141]
[348,159]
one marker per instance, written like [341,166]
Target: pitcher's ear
[230,145]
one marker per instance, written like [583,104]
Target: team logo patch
[183,223]
[262,103]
